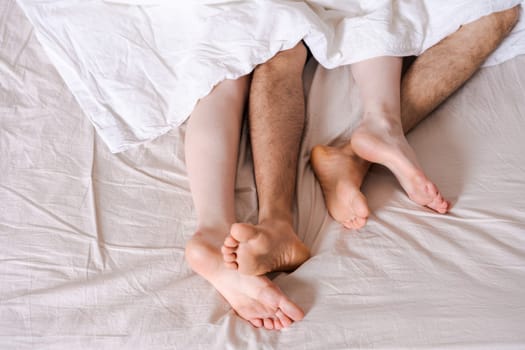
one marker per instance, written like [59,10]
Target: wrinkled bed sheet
[92,243]
[138,69]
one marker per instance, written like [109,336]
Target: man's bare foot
[254,298]
[341,172]
[258,249]
[382,141]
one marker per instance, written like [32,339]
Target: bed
[92,243]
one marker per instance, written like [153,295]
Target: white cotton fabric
[137,68]
[92,243]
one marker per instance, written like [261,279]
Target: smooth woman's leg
[277,115]
[379,138]
[212,141]
[431,79]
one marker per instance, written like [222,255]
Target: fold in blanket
[137,68]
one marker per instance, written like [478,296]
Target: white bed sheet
[91,243]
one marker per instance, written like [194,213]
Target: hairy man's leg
[277,113]
[445,67]
[431,79]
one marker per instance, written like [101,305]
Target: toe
[284,320]
[227,250]
[277,324]
[230,258]
[256,322]
[231,242]
[268,323]
[349,224]
[359,222]
[439,204]
[445,206]
[228,254]
[231,265]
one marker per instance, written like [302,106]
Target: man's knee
[296,54]
[501,23]
[506,20]
[486,32]
[287,61]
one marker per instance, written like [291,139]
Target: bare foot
[341,172]
[383,142]
[258,249]
[254,298]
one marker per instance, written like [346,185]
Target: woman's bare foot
[254,298]
[258,249]
[341,172]
[380,140]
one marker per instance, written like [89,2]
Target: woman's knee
[233,89]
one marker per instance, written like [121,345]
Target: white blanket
[137,68]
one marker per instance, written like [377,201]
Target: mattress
[92,243]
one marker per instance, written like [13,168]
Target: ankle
[212,235]
[276,215]
[387,124]
[214,226]
[201,252]
[348,151]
